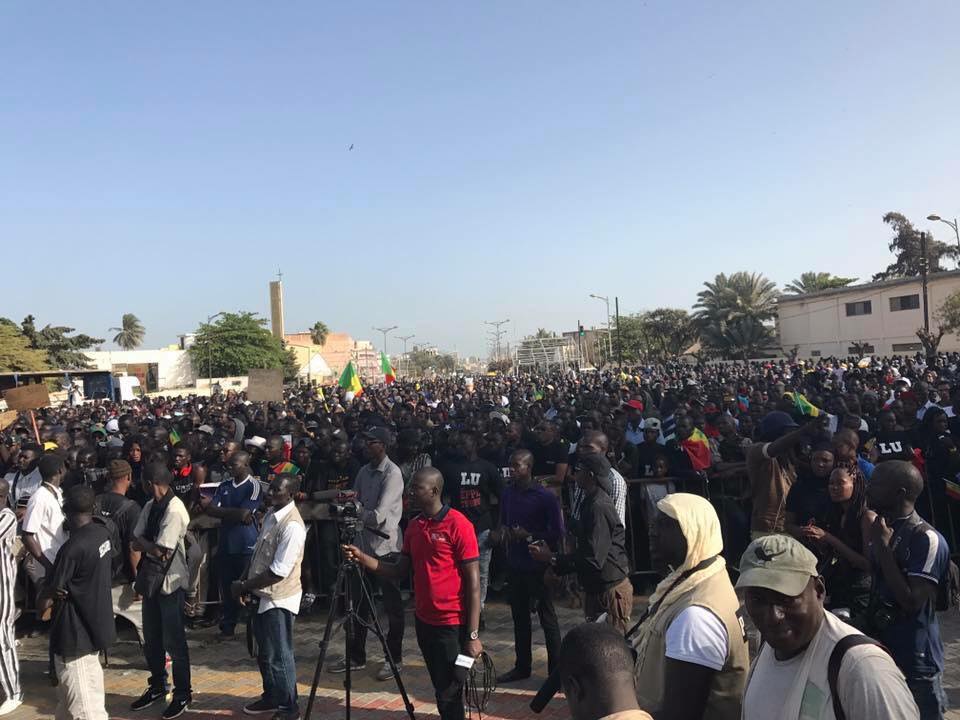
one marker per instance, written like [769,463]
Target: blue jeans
[486,552]
[929,695]
[163,634]
[273,630]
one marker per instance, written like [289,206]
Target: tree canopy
[733,313]
[16,355]
[658,334]
[905,245]
[420,361]
[237,343]
[63,352]
[130,333]
[319,333]
[809,282]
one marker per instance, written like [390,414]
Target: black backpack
[948,587]
[117,556]
[833,667]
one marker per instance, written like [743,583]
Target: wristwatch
[474,634]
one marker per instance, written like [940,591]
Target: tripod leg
[325,642]
[377,629]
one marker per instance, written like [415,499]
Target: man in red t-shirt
[440,546]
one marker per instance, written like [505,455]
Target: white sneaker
[385,673]
[10,704]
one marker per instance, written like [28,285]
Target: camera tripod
[343,588]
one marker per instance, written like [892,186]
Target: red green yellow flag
[697,448]
[349,380]
[389,373]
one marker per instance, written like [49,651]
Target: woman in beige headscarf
[692,654]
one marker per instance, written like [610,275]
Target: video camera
[345,510]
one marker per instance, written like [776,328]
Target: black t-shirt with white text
[470,485]
[83,569]
[124,512]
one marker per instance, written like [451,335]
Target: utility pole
[609,338]
[210,319]
[923,278]
[385,330]
[406,362]
[497,331]
[616,302]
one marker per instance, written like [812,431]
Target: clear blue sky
[510,158]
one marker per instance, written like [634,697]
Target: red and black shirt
[437,548]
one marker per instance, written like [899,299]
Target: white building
[163,369]
[883,315]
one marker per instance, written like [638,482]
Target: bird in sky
[351,147]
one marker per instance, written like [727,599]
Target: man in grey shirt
[379,488]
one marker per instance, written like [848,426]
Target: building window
[862,349]
[907,347]
[815,353]
[864,307]
[904,302]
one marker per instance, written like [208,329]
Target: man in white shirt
[274,577]
[159,535]
[790,678]
[43,532]
[26,480]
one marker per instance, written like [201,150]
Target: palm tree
[319,333]
[130,333]
[815,281]
[732,310]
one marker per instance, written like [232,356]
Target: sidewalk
[224,677]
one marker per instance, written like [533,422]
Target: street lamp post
[404,338]
[385,330]
[609,340]
[210,319]
[497,331]
[956,228]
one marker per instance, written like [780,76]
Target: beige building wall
[337,351]
[827,323]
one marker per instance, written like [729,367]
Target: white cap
[257,442]
[112,426]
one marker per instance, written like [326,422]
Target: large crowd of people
[823,490]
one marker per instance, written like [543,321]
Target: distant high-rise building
[276,308]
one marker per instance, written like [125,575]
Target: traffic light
[582,333]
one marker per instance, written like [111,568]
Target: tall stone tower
[276,307]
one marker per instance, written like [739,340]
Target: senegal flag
[349,380]
[390,375]
[174,437]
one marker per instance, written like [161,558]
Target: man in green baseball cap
[784,594]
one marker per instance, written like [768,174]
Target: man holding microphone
[440,546]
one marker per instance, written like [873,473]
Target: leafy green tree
[63,352]
[733,312]
[16,355]
[743,338]
[319,333]
[543,333]
[238,342]
[810,282]
[668,332]
[421,362]
[630,338]
[130,333]
[905,244]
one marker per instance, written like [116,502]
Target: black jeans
[230,567]
[392,603]
[440,645]
[163,633]
[524,588]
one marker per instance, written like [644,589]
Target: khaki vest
[263,554]
[726,689]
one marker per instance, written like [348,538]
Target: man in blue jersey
[910,562]
[234,502]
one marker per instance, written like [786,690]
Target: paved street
[225,677]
